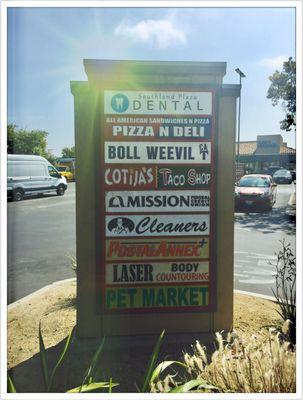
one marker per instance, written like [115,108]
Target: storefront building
[267,151]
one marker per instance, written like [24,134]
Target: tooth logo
[120,103]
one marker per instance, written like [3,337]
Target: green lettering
[193,296]
[121,298]
[148,297]
[171,297]
[204,292]
[110,298]
[182,300]
[161,298]
[132,293]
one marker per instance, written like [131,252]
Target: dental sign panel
[158,193]
[157,103]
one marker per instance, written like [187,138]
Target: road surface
[41,238]
[258,237]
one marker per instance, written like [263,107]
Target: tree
[283,88]
[22,141]
[68,152]
[10,138]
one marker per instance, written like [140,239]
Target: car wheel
[18,194]
[60,190]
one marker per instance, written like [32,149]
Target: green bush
[285,287]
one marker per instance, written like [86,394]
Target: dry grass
[263,363]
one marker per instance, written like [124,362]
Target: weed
[257,365]
[285,287]
[73,262]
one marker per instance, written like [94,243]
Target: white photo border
[5,4]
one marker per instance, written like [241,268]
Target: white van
[28,175]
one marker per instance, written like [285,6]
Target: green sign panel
[164,297]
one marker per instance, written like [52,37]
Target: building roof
[287,150]
[249,148]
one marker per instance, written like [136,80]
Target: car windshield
[282,172]
[61,168]
[253,181]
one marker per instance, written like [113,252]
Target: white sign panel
[149,272]
[155,225]
[157,102]
[157,153]
[157,201]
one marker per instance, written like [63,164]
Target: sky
[46,48]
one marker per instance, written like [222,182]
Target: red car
[255,192]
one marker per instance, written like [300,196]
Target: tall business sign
[154,198]
[158,167]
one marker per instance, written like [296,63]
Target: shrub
[261,364]
[285,287]
[73,262]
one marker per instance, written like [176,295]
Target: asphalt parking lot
[258,237]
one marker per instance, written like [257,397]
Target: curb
[261,296]
[57,283]
[38,292]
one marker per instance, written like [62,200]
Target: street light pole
[241,75]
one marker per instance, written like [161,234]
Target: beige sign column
[86,130]
[92,204]
[223,318]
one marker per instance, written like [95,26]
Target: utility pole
[241,75]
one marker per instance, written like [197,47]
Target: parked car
[271,170]
[293,174]
[282,176]
[69,162]
[255,192]
[29,175]
[290,210]
[66,172]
